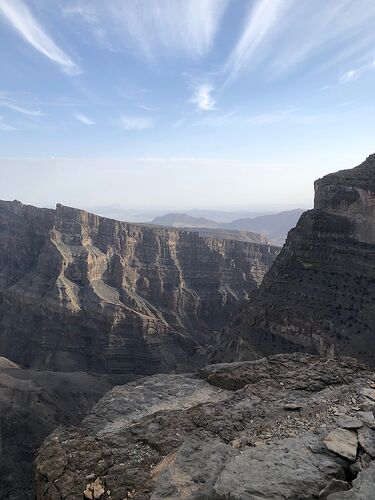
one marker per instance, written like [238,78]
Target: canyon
[79,292]
[289,401]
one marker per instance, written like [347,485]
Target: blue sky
[182,103]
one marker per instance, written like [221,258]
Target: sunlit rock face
[83,292]
[319,295]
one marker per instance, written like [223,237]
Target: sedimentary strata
[82,292]
[319,295]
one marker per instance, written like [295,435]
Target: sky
[178,104]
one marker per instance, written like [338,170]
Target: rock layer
[226,434]
[319,294]
[82,292]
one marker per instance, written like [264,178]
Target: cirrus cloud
[20,18]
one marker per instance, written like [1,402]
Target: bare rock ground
[293,426]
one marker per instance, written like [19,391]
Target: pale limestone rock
[343,442]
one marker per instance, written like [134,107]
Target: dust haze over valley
[187,250]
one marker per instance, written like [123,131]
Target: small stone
[293,406]
[343,442]
[94,490]
[347,422]
[88,493]
[334,486]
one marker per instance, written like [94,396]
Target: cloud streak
[5,127]
[26,25]
[354,74]
[280,35]
[84,119]
[259,28]
[20,109]
[178,27]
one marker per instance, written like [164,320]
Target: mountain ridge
[274,227]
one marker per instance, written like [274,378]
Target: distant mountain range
[119,212]
[274,227]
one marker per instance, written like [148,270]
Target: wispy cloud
[22,20]
[184,26]
[84,119]
[354,74]
[202,97]
[338,32]
[135,122]
[21,109]
[89,14]
[5,126]
[147,108]
[259,30]
[279,35]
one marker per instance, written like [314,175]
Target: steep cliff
[319,295]
[82,292]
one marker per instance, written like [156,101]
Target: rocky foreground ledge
[292,426]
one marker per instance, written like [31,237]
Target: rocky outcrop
[82,292]
[319,295]
[32,404]
[270,428]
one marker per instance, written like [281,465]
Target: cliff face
[319,295]
[79,291]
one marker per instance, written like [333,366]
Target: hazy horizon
[164,185]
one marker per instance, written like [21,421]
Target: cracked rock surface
[242,431]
